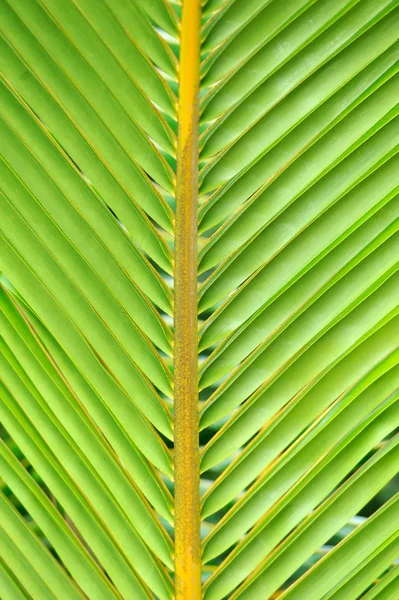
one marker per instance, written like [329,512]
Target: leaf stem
[187,500]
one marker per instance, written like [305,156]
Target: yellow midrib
[186,426]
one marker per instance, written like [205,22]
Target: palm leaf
[199,299]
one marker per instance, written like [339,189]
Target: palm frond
[199,321]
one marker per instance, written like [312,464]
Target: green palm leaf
[199,324]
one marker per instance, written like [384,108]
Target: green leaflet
[284,23]
[381,526]
[384,588]
[24,540]
[287,146]
[336,421]
[380,189]
[78,348]
[137,466]
[79,561]
[313,283]
[84,475]
[290,421]
[339,505]
[99,95]
[305,187]
[87,119]
[9,585]
[57,403]
[242,119]
[369,570]
[162,14]
[87,522]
